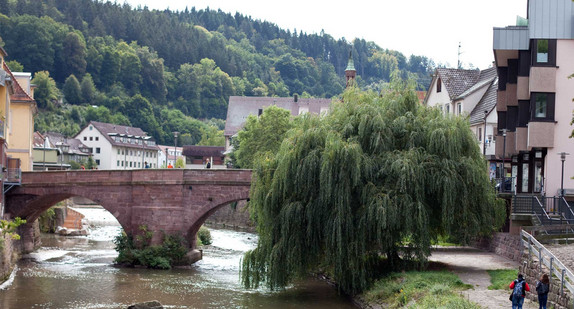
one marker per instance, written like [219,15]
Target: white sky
[421,27]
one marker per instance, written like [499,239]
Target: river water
[77,272]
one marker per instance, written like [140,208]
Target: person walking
[519,288]
[542,289]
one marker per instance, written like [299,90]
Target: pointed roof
[351,63]
[460,83]
[487,103]
[19,94]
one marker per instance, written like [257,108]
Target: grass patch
[501,278]
[416,289]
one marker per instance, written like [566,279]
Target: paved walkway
[471,266]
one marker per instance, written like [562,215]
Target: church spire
[350,71]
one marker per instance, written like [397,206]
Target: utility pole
[459,65]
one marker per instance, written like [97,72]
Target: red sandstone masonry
[170,200]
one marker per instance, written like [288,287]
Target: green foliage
[352,185]
[204,236]
[88,88]
[262,136]
[138,251]
[212,136]
[72,90]
[15,66]
[47,221]
[201,58]
[500,278]
[8,227]
[179,163]
[412,289]
[46,93]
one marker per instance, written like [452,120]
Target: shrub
[204,236]
[139,251]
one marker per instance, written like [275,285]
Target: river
[77,272]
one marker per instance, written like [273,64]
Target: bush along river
[78,272]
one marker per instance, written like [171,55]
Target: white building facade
[119,147]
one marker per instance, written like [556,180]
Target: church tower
[350,71]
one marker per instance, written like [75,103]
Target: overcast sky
[421,27]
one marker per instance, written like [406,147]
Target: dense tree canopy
[261,136]
[190,60]
[377,176]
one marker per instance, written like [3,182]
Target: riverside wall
[11,250]
[234,217]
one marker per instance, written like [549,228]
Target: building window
[542,106]
[118,163]
[97,149]
[447,108]
[91,138]
[480,134]
[259,112]
[118,152]
[97,138]
[122,163]
[130,163]
[439,85]
[85,138]
[459,109]
[542,51]
[97,162]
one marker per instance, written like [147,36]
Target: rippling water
[77,272]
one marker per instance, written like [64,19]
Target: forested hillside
[163,70]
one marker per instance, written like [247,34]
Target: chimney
[295,98]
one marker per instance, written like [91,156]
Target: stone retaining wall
[11,250]
[531,270]
[232,217]
[503,244]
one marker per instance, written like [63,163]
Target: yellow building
[20,131]
[4,103]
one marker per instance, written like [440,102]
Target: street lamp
[503,156]
[562,158]
[175,134]
[484,139]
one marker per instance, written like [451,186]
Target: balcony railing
[13,176]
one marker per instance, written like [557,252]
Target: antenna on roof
[459,66]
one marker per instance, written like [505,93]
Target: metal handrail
[568,209]
[545,257]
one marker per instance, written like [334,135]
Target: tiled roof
[458,81]
[39,141]
[241,107]
[203,151]
[74,144]
[486,103]
[109,129]
[19,93]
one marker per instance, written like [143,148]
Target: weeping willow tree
[379,177]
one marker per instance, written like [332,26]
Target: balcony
[13,173]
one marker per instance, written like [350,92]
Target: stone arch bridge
[175,201]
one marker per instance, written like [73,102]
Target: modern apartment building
[534,103]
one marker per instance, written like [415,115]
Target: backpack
[518,288]
[542,288]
